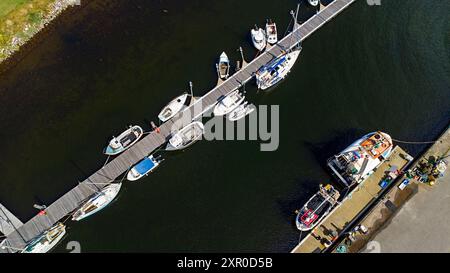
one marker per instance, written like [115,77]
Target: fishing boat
[124,141]
[47,240]
[240,111]
[175,106]
[271,32]
[186,136]
[314,3]
[359,160]
[258,38]
[98,202]
[317,207]
[143,168]
[276,70]
[228,103]
[223,67]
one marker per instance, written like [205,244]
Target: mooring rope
[415,142]
[106,162]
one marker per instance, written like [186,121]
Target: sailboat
[241,111]
[47,240]
[98,202]
[186,136]
[175,106]
[317,207]
[359,160]
[143,168]
[124,141]
[258,38]
[271,32]
[228,103]
[223,67]
[276,70]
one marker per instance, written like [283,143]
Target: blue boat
[143,168]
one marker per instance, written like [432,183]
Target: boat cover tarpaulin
[145,166]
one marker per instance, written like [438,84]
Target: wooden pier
[70,201]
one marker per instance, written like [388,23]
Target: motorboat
[271,32]
[98,202]
[186,136]
[124,141]
[258,38]
[314,3]
[143,168]
[317,208]
[241,111]
[228,103]
[359,160]
[223,67]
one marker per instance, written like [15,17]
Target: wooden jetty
[122,163]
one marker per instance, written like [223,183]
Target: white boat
[359,160]
[47,240]
[174,107]
[271,32]
[314,3]
[143,168]
[315,210]
[258,38]
[223,67]
[240,111]
[228,103]
[98,202]
[186,136]
[124,141]
[276,70]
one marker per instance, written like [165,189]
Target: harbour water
[115,63]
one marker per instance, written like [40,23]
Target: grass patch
[6,6]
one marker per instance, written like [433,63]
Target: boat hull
[128,137]
[136,174]
[195,128]
[276,70]
[240,112]
[173,108]
[259,39]
[228,103]
[37,247]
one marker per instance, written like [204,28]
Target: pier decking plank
[151,142]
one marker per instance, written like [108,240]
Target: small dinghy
[124,141]
[98,202]
[314,3]
[228,103]
[223,67]
[258,38]
[271,32]
[144,167]
[240,112]
[186,136]
[175,106]
[44,242]
[317,208]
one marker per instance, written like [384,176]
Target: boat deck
[123,162]
[351,206]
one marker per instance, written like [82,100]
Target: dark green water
[109,65]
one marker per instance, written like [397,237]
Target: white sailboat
[47,240]
[186,136]
[124,141]
[223,67]
[228,103]
[258,38]
[271,32]
[98,202]
[241,111]
[174,107]
[359,160]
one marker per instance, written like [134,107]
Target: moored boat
[98,202]
[228,103]
[143,168]
[258,38]
[359,160]
[314,3]
[223,67]
[271,32]
[124,141]
[276,70]
[186,136]
[174,107]
[317,207]
[47,240]
[240,111]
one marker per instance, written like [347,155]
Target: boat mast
[296,24]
